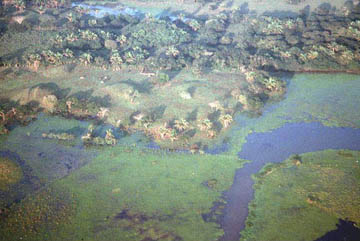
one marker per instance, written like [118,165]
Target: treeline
[22,4]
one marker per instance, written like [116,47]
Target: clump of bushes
[162,78]
[81,108]
[22,4]
[294,1]
[155,34]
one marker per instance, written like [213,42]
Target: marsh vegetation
[120,106]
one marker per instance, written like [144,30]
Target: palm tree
[110,138]
[86,58]
[205,125]
[181,125]
[172,51]
[102,113]
[2,115]
[115,58]
[173,135]
[211,133]
[164,132]
[89,135]
[226,120]
[272,84]
[121,39]
[146,123]
[216,105]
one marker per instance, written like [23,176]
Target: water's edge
[274,147]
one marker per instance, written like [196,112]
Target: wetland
[156,120]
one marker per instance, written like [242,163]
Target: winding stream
[276,146]
[260,147]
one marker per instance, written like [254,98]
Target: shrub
[162,78]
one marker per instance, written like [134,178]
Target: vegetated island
[305,196]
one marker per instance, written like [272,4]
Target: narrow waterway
[55,159]
[276,146]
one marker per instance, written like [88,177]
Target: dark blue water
[276,146]
[345,231]
[218,149]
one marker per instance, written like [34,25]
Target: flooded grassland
[125,123]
